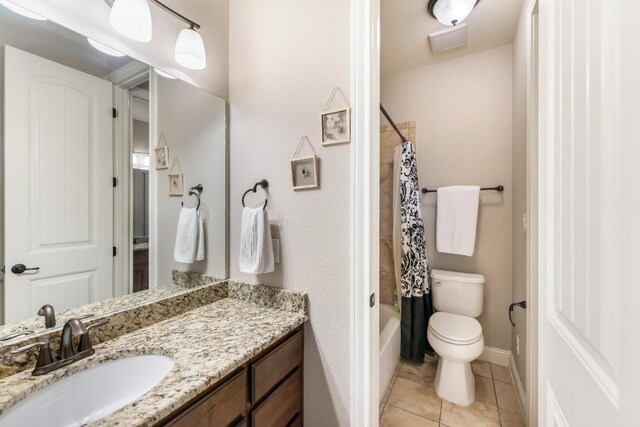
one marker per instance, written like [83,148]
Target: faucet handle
[44,356]
[85,340]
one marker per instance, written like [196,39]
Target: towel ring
[262,183]
[196,191]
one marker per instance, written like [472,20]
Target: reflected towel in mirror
[189,237]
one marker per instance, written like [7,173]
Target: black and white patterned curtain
[416,299]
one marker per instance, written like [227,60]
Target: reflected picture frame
[304,173]
[335,126]
[161,160]
[176,184]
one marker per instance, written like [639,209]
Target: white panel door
[58,185]
[588,214]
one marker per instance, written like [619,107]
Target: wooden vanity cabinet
[265,392]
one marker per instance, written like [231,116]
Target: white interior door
[58,185]
[588,213]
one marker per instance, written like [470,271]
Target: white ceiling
[405,25]
[56,43]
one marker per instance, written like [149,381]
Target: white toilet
[455,334]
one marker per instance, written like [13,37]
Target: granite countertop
[206,344]
[140,246]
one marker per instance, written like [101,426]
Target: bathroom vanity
[236,361]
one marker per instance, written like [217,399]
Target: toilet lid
[455,328]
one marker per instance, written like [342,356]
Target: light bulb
[132,18]
[190,50]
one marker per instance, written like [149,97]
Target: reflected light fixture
[451,12]
[189,50]
[21,10]
[132,18]
[164,74]
[104,48]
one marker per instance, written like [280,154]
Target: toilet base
[455,382]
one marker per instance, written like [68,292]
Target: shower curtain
[410,247]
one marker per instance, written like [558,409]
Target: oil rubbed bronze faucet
[68,354]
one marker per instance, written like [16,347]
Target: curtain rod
[384,112]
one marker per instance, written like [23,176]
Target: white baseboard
[522,396]
[496,355]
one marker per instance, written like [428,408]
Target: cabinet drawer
[282,405]
[220,408]
[296,422]
[275,366]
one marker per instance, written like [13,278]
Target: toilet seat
[455,329]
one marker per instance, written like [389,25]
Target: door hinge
[372,300]
[114,113]
[115,251]
[115,182]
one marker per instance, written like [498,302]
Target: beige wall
[519,185]
[462,110]
[285,58]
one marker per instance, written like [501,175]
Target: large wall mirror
[100,155]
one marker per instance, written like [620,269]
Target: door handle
[21,268]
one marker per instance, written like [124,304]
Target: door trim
[365,165]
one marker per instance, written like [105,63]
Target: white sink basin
[89,395]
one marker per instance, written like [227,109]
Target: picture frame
[176,184]
[304,173]
[335,126]
[161,157]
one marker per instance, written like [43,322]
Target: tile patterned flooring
[411,399]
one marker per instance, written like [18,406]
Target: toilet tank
[457,293]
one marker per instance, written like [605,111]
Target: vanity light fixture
[21,10]
[132,18]
[104,48]
[164,74]
[451,12]
[190,50]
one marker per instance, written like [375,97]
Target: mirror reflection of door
[140,187]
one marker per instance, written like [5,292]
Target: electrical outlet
[518,344]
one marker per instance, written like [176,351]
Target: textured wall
[285,58]
[462,110]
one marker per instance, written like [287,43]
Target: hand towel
[189,245]
[256,250]
[457,219]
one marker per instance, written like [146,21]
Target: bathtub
[389,346]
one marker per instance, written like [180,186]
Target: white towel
[189,237]
[256,250]
[397,219]
[457,219]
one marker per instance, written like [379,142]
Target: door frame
[124,80]
[534,109]
[364,209]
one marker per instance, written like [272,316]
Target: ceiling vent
[448,39]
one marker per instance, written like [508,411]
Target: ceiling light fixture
[21,10]
[132,18]
[104,48]
[451,12]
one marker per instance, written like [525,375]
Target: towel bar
[498,188]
